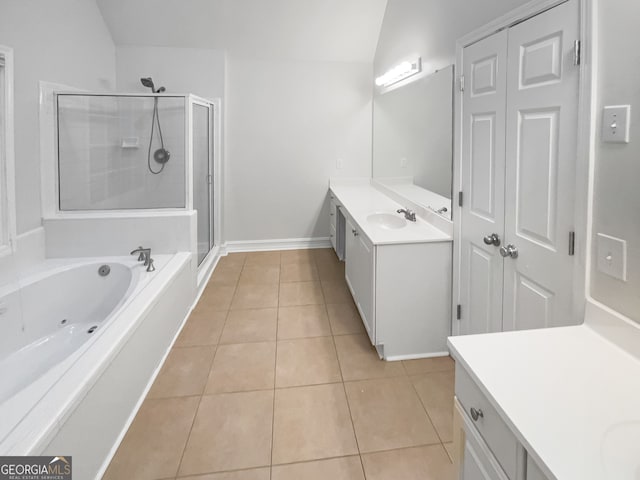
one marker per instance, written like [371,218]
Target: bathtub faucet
[145,256]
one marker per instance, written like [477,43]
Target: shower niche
[138,154]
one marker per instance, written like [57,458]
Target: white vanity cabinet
[401,287]
[489,449]
[360,274]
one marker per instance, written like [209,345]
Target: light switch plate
[615,123]
[339,164]
[612,256]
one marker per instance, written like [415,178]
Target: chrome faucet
[408,214]
[144,256]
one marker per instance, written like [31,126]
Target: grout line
[275,372]
[215,354]
[424,407]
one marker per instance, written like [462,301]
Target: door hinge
[462,83]
[572,243]
[459,312]
[459,199]
[577,52]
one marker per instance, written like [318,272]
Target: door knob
[493,239]
[476,413]
[509,251]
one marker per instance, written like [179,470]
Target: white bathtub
[72,323]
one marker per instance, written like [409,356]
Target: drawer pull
[332,214]
[355,232]
[476,414]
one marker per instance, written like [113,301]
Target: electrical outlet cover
[612,256]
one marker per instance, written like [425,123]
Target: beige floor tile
[421,463]
[307,361]
[253,474]
[387,414]
[303,321]
[298,272]
[326,256]
[260,274]
[242,367]
[256,295]
[255,325]
[230,432]
[345,319]
[185,372]
[429,365]
[227,274]
[233,259]
[436,392]
[300,293]
[263,258]
[297,256]
[202,328]
[345,468]
[312,423]
[449,448]
[330,271]
[153,446]
[216,296]
[336,291]
[359,360]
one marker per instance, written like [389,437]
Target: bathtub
[62,326]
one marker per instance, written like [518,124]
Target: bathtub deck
[273,377]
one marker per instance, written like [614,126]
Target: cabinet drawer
[488,423]
[333,213]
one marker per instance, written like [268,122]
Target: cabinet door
[359,273]
[477,461]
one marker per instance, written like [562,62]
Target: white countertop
[360,200]
[571,396]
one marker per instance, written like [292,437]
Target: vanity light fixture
[400,72]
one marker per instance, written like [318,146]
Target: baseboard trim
[395,358]
[277,244]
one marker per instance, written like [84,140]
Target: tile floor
[273,377]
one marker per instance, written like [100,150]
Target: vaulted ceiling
[332,30]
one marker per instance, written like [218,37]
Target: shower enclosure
[138,152]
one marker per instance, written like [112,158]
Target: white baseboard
[278,244]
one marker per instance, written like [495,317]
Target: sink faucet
[144,256]
[408,214]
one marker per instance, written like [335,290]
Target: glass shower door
[202,177]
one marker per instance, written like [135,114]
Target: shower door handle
[209,179]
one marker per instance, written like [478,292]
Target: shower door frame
[214,170]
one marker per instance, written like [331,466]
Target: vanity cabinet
[360,274]
[488,449]
[401,290]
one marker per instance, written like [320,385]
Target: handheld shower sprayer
[161,155]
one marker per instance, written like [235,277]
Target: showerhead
[147,82]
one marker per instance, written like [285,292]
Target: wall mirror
[413,140]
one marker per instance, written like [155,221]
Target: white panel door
[542,106]
[483,166]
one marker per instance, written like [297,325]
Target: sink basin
[620,450]
[387,220]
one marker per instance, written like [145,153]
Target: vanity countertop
[361,199]
[570,395]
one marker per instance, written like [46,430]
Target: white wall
[61,41]
[430,28]
[287,125]
[179,70]
[617,195]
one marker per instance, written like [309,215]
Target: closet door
[542,106]
[483,169]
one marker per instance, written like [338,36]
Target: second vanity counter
[361,200]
